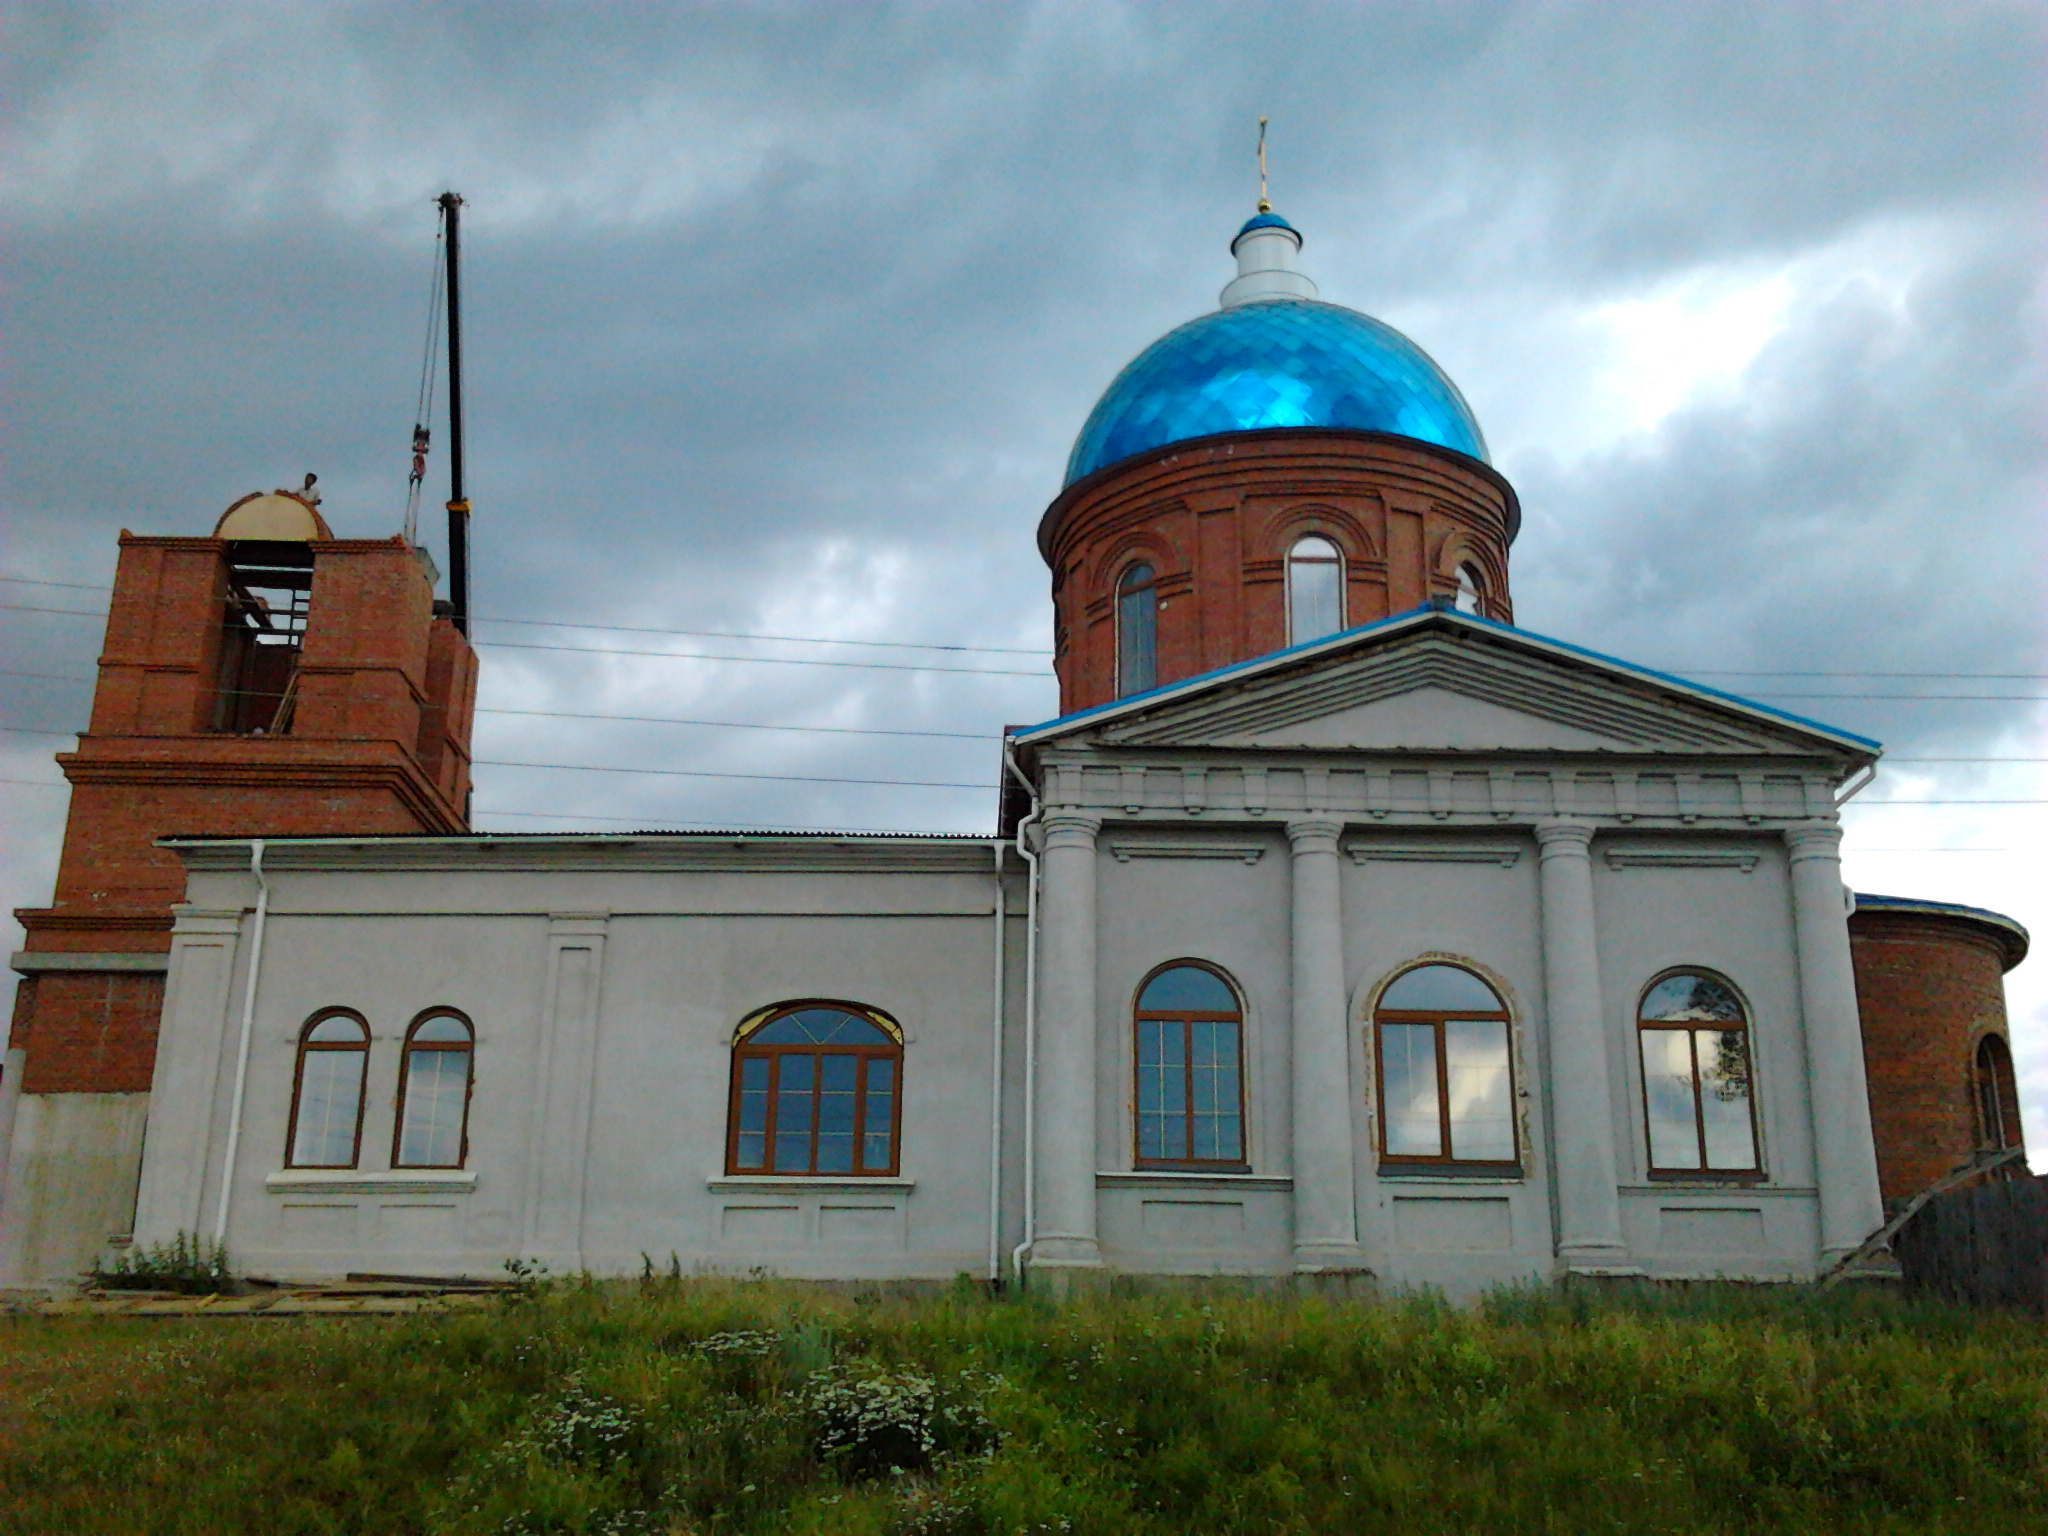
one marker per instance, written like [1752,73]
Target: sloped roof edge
[1426,616]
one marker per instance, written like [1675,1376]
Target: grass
[703,1406]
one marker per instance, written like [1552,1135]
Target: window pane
[1668,1098]
[330,1100]
[752,1148]
[1187,987]
[1408,1090]
[1137,639]
[1162,1090]
[1315,591]
[836,1075]
[1688,999]
[881,1113]
[1468,590]
[436,1086]
[337,1031]
[1441,989]
[1482,1107]
[1725,1097]
[443,1029]
[1218,1132]
[793,1113]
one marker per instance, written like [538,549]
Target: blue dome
[1264,221]
[1275,363]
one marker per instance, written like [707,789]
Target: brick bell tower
[1262,476]
[268,679]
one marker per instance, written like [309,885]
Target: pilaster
[1581,1098]
[564,1085]
[1065,1152]
[1325,1199]
[1845,1157]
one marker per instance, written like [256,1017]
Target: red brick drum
[1930,985]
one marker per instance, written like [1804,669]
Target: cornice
[596,853]
[1239,453]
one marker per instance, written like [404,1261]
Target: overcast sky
[781,320]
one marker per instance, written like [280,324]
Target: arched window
[433,1094]
[1315,589]
[1189,1041]
[1998,1119]
[1137,630]
[1697,1097]
[815,1089]
[1470,589]
[327,1095]
[1446,1076]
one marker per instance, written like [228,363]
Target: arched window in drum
[1998,1118]
[1315,589]
[1137,630]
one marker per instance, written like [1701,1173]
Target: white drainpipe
[1030,1024]
[227,1162]
[995,1089]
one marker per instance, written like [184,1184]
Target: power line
[705,773]
[778,661]
[624,629]
[747,725]
[717,634]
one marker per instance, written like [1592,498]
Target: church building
[1338,931]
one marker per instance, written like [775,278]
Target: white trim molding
[357,1181]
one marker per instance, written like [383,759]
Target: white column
[1065,1150]
[1844,1154]
[1325,1205]
[1581,1102]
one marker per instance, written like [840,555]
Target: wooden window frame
[1290,560]
[1438,1017]
[405,1082]
[1125,588]
[1701,1174]
[742,1052]
[1187,1017]
[1996,1110]
[307,1045]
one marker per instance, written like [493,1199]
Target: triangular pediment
[1440,682]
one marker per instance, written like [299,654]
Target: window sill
[1692,1184]
[357,1181]
[812,1183]
[1189,1178]
[1404,1173]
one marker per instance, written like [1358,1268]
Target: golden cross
[1264,206]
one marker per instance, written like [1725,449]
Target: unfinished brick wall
[1929,987]
[378,743]
[1216,518]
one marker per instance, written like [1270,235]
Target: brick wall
[1215,520]
[1929,989]
[379,744]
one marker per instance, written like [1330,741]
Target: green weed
[679,1405]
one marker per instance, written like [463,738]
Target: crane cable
[423,400]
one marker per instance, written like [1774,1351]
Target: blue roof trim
[1330,642]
